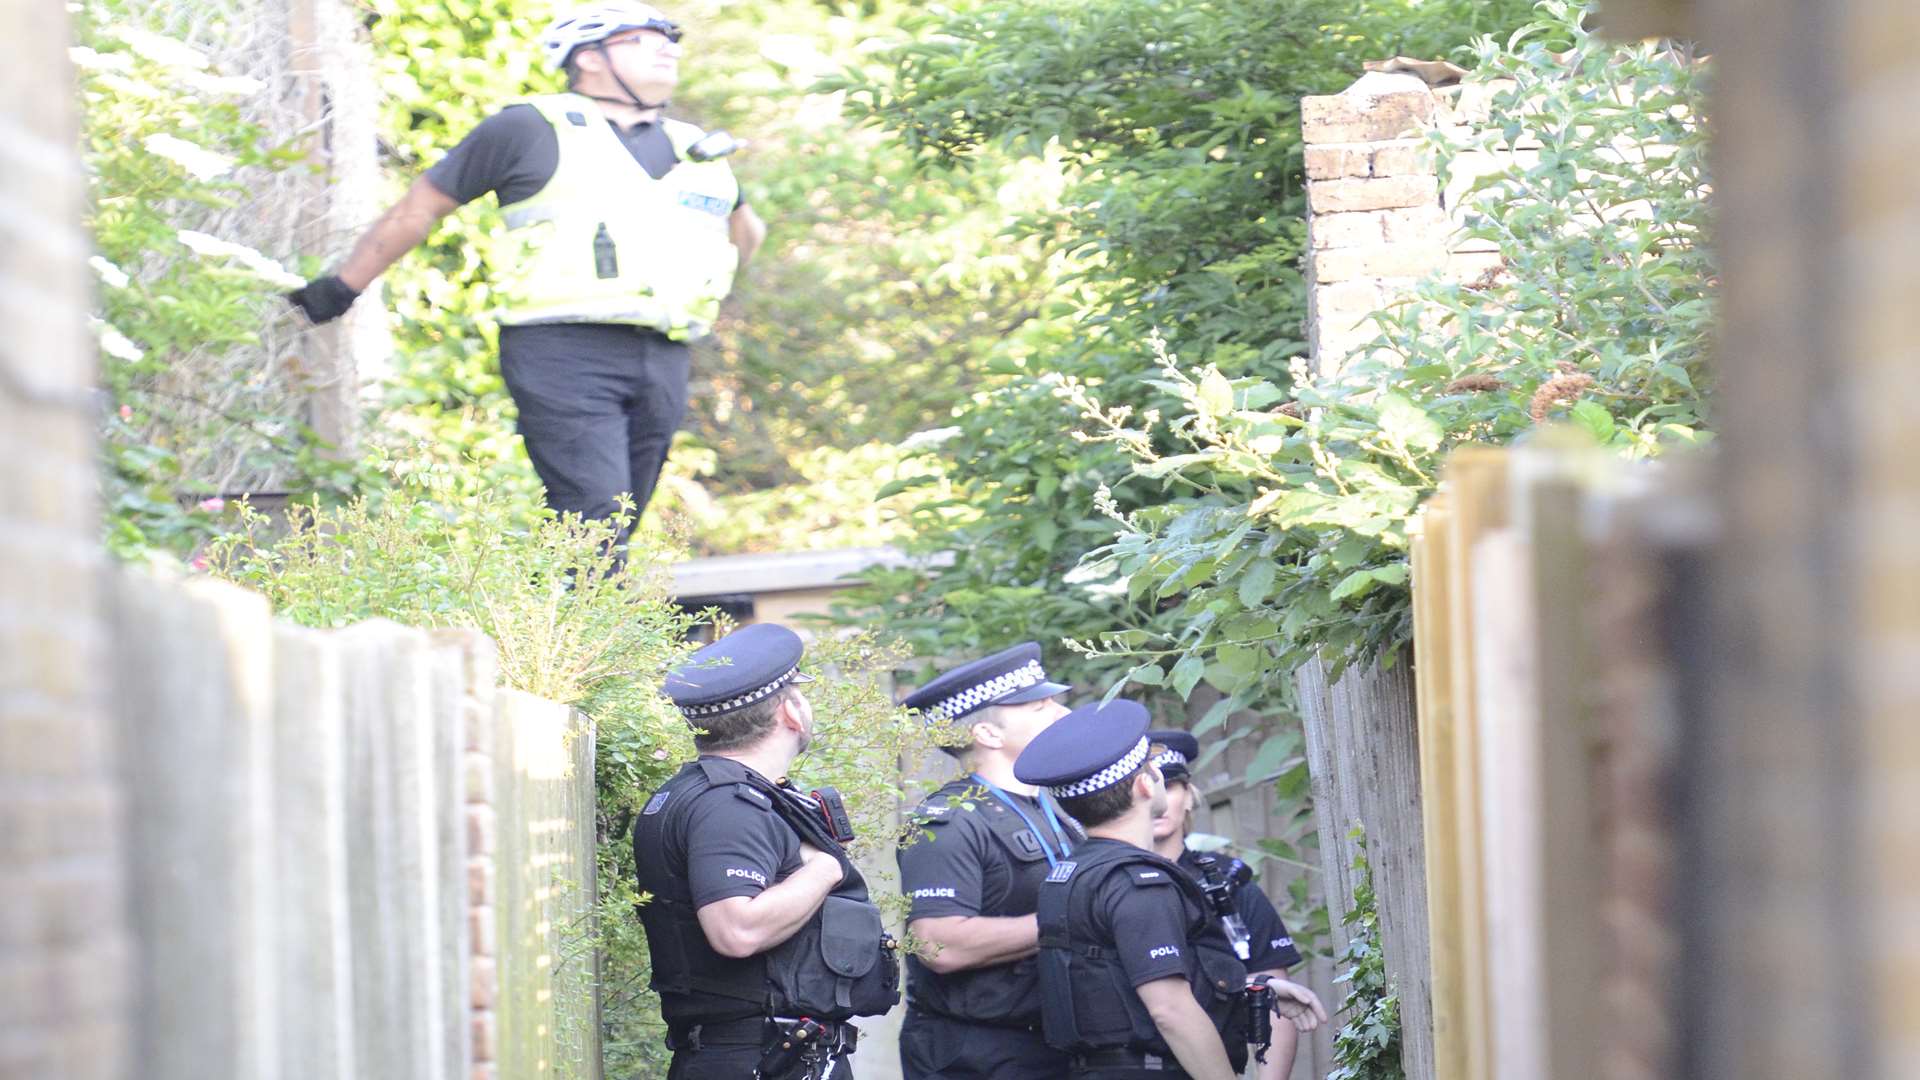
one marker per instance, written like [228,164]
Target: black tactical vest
[1087,1002]
[839,965]
[1005,994]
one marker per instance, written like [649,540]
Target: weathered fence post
[194,669]
[316,970]
[392,841]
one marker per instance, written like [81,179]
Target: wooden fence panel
[548,1023]
[1363,754]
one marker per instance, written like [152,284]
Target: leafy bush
[1283,521]
[1176,129]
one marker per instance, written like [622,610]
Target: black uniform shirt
[514,152]
[956,866]
[1269,941]
[735,846]
[1148,919]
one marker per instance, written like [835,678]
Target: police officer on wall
[1138,981]
[763,937]
[971,873]
[623,232]
[1255,924]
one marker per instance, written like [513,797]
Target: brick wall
[63,941]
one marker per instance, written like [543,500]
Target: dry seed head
[1480,383]
[1560,388]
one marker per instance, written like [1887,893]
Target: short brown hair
[1100,807]
[741,727]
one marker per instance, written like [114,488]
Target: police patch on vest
[654,804]
[696,201]
[1063,871]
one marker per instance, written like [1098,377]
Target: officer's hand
[1297,1004]
[811,856]
[324,299]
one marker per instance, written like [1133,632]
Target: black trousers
[936,1047]
[599,404]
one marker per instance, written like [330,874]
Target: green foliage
[170,150]
[1367,1046]
[1175,127]
[1286,503]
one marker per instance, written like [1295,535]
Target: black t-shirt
[1268,938]
[736,847]
[1148,917]
[514,152]
[956,866]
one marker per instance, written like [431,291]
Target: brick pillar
[63,940]
[1378,220]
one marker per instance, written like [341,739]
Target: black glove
[324,299]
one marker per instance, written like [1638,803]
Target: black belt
[754,1031]
[751,1031]
[1128,1059]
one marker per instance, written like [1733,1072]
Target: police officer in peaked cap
[1252,925]
[1138,981]
[972,872]
[763,937]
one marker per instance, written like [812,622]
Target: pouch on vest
[1056,998]
[840,965]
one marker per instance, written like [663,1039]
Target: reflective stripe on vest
[605,242]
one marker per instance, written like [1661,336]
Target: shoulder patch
[753,795]
[659,800]
[1063,871]
[1149,875]
[933,813]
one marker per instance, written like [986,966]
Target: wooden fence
[1546,581]
[347,855]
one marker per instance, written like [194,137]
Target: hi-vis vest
[604,242]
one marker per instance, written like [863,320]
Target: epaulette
[1147,874]
[753,795]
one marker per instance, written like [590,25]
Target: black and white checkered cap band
[741,702]
[1106,777]
[986,693]
[1170,757]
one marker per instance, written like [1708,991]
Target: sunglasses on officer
[669,30]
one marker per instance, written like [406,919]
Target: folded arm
[741,926]
[950,943]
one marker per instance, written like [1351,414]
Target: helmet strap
[631,98]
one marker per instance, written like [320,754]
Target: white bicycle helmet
[589,23]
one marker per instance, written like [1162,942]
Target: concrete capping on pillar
[193,677]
